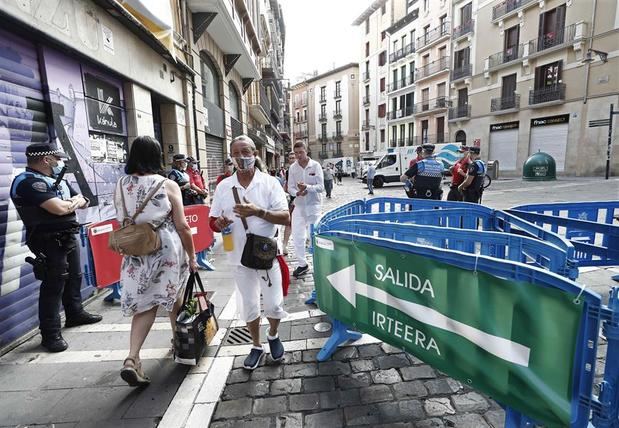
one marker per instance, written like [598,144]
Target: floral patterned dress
[158,278]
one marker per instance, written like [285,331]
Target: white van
[344,163]
[396,162]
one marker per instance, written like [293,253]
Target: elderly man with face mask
[262,204]
[47,205]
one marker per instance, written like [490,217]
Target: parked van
[396,162]
[344,163]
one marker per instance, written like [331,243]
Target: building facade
[329,122]
[533,82]
[373,24]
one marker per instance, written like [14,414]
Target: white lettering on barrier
[194,230]
[325,244]
[404,332]
[405,279]
[193,218]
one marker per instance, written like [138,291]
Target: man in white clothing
[305,183]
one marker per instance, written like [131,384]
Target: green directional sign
[513,340]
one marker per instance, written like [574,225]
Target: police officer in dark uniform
[46,205]
[426,175]
[179,175]
[473,185]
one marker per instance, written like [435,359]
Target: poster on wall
[108,148]
[105,113]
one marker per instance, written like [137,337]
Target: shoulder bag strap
[119,188]
[147,199]
[238,201]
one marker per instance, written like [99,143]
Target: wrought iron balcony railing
[460,112]
[402,52]
[400,113]
[552,39]
[507,55]
[505,103]
[463,29]
[429,105]
[548,94]
[401,83]
[337,114]
[433,35]
[337,136]
[507,6]
[434,67]
[461,72]
[322,117]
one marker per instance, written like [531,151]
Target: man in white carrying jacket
[305,183]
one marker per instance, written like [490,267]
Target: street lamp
[588,58]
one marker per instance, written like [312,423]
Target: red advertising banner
[107,262]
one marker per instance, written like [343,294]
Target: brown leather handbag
[135,239]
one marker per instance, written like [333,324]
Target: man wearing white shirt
[305,183]
[263,205]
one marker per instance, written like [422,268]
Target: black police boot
[54,342]
[81,319]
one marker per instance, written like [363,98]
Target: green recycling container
[539,167]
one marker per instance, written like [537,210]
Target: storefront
[549,135]
[504,144]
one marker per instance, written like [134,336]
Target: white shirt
[371,172]
[264,191]
[311,203]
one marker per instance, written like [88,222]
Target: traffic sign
[513,340]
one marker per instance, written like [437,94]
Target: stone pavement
[365,383]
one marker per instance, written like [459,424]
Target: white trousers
[250,283]
[300,231]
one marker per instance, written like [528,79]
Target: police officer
[46,205]
[179,175]
[473,185]
[426,175]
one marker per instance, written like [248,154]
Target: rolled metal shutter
[23,121]
[214,159]
[551,139]
[504,148]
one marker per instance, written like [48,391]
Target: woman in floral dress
[156,279]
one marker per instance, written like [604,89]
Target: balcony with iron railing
[504,57]
[365,76]
[552,39]
[401,113]
[337,136]
[337,114]
[264,99]
[337,94]
[322,117]
[401,83]
[428,106]
[503,105]
[554,94]
[463,29]
[437,66]
[461,72]
[433,36]
[461,112]
[365,125]
[432,139]
[393,142]
[509,7]
[403,52]
[338,153]
[300,134]
[323,98]
[323,138]
[366,100]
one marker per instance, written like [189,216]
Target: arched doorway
[215,127]
[461,137]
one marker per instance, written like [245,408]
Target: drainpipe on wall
[595,3]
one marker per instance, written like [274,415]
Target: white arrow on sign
[345,283]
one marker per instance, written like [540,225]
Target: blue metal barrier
[510,245]
[589,228]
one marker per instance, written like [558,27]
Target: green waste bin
[539,167]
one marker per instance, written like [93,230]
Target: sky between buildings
[320,35]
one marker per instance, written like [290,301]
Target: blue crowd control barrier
[588,225]
[506,245]
[500,245]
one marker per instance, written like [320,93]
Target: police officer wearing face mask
[46,205]
[179,175]
[473,185]
[426,175]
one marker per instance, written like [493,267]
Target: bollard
[608,415]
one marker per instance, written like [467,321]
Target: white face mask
[244,163]
[58,167]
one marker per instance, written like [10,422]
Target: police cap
[179,157]
[44,149]
[429,148]
[474,150]
[191,159]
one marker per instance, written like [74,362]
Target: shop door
[504,148]
[214,159]
[550,139]
[23,121]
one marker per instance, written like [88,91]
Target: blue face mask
[58,167]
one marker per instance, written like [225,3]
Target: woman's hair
[144,156]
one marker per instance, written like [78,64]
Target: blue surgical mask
[58,167]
